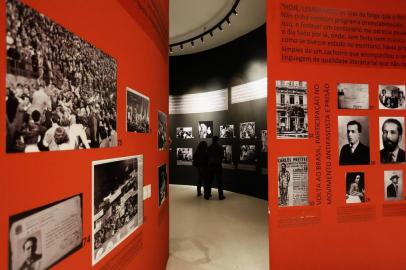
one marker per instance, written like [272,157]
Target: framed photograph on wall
[392,97]
[393,183]
[205,129]
[353,96]
[227,131]
[184,156]
[162,184]
[184,133]
[162,130]
[56,97]
[117,209]
[247,130]
[137,112]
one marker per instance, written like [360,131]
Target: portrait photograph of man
[392,143]
[393,185]
[353,140]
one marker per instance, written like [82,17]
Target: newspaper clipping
[293,181]
[117,202]
[42,237]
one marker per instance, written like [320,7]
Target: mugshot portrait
[392,97]
[393,188]
[31,253]
[353,140]
[392,142]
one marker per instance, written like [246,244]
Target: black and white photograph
[117,209]
[32,238]
[184,133]
[392,141]
[247,130]
[248,154]
[353,96]
[205,129]
[293,181]
[353,140]
[184,156]
[393,185]
[162,127]
[227,161]
[355,187]
[291,109]
[162,184]
[392,97]
[227,131]
[264,140]
[61,91]
[137,112]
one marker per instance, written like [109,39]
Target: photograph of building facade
[291,106]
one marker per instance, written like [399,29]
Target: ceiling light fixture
[210,31]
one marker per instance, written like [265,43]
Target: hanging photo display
[184,156]
[264,140]
[227,161]
[247,130]
[117,202]
[162,184]
[205,129]
[227,131]
[137,112]
[184,133]
[162,127]
[293,181]
[41,237]
[291,106]
[61,91]
[393,184]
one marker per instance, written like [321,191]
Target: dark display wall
[73,209]
[239,62]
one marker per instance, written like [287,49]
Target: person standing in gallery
[392,132]
[215,153]
[201,162]
[354,153]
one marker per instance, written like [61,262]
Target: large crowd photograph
[117,202]
[61,91]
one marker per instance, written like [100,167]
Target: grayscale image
[61,91]
[162,127]
[264,140]
[137,112]
[227,131]
[248,154]
[32,238]
[117,202]
[184,156]
[353,140]
[247,130]
[393,185]
[205,129]
[291,108]
[293,181]
[184,133]
[392,97]
[355,187]
[227,162]
[353,96]
[163,183]
[392,143]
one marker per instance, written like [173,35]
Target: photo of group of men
[137,112]
[392,97]
[184,133]
[61,90]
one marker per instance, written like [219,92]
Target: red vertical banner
[336,120]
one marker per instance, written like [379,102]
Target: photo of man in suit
[392,132]
[393,189]
[355,152]
[393,181]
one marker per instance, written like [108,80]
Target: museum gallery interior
[215,134]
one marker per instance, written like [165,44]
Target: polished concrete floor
[214,234]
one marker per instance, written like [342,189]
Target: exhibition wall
[222,88]
[336,191]
[84,154]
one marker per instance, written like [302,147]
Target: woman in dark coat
[201,162]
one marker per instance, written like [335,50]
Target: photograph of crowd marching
[60,90]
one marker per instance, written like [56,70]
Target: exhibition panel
[336,95]
[89,78]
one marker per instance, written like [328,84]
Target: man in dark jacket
[354,153]
[215,153]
